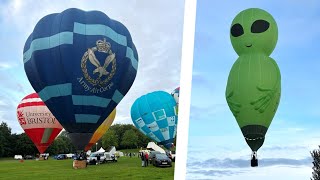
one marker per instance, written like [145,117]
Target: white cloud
[6,65]
[266,173]
[216,158]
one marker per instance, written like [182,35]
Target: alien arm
[233,105]
[268,94]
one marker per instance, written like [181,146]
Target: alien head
[254,31]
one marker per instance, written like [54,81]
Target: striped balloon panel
[37,121]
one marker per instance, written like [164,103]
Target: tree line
[122,136]
[316,164]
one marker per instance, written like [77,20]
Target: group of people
[144,158]
[81,156]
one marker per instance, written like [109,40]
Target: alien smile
[249,45]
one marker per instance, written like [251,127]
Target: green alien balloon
[254,83]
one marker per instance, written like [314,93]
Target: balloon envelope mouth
[254,135]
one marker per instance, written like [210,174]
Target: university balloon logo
[22,120]
[254,83]
[82,64]
[37,121]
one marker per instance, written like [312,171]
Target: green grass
[125,168]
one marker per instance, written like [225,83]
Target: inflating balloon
[175,94]
[102,129]
[154,114]
[38,122]
[254,83]
[81,64]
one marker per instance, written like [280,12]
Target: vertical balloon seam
[164,110]
[139,114]
[161,138]
[145,97]
[59,62]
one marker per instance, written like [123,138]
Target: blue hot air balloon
[154,114]
[81,64]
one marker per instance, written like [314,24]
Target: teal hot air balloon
[155,115]
[81,63]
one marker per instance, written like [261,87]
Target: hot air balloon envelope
[175,94]
[81,64]
[154,114]
[38,122]
[102,129]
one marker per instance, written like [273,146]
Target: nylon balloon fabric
[81,63]
[102,129]
[155,115]
[254,83]
[38,122]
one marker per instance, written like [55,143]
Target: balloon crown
[103,46]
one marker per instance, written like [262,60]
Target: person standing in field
[98,159]
[143,159]
[146,159]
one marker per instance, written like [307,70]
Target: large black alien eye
[236,30]
[260,26]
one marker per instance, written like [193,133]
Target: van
[94,160]
[18,157]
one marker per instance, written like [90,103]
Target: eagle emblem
[104,76]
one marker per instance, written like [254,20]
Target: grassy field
[125,168]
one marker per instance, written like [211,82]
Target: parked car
[18,157]
[28,157]
[152,155]
[110,154]
[61,157]
[162,160]
[93,158]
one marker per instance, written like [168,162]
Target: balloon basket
[254,162]
[79,164]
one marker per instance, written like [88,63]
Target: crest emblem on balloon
[22,120]
[102,71]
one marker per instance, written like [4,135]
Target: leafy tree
[316,164]
[120,135]
[120,130]
[24,145]
[61,145]
[129,139]
[5,139]
[143,140]
[110,138]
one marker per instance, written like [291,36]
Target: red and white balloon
[37,121]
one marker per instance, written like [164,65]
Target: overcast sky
[155,27]
[217,149]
